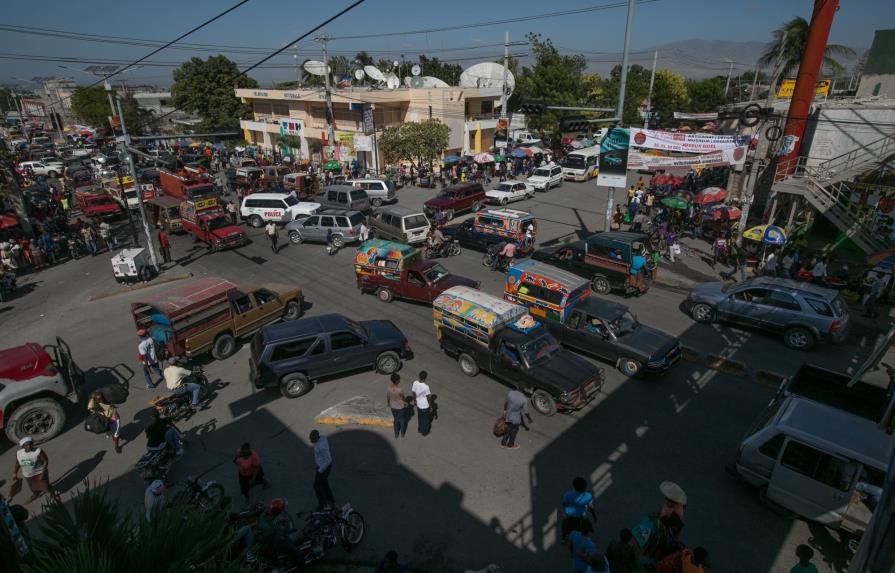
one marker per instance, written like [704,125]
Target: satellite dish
[395,64]
[407,80]
[315,68]
[392,81]
[359,75]
[485,75]
[431,82]
[374,73]
[416,70]
[416,82]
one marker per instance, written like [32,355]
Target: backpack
[96,423]
[115,393]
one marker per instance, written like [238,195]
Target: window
[332,196]
[342,222]
[311,221]
[781,300]
[342,197]
[755,295]
[356,219]
[575,320]
[263,295]
[541,293]
[772,447]
[293,349]
[327,222]
[415,278]
[343,340]
[254,203]
[272,204]
[834,472]
[820,307]
[242,304]
[358,195]
[487,107]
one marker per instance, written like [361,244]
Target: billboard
[686,142]
[614,158]
[787,87]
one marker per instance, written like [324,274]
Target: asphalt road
[452,500]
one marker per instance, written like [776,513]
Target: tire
[388,362]
[799,338]
[455,249]
[448,215]
[43,420]
[384,294]
[146,274]
[353,531]
[295,238]
[211,497]
[543,403]
[702,312]
[488,259]
[467,364]
[256,222]
[295,385]
[376,202]
[338,241]
[503,202]
[224,346]
[629,367]
[52,174]
[600,285]
[292,310]
[477,206]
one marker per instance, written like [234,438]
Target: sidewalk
[689,270]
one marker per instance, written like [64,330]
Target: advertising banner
[363,143]
[711,116]
[787,87]
[500,132]
[290,127]
[687,142]
[346,145]
[726,157]
[614,158]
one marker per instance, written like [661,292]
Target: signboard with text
[686,142]
[369,124]
[788,87]
[614,158]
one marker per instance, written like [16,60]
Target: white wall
[840,130]
[869,81]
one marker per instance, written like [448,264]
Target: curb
[155,282]
[357,411]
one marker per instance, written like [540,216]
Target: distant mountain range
[696,58]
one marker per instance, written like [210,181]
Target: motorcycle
[156,462]
[178,406]
[206,495]
[494,261]
[447,249]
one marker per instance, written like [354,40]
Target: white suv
[378,190]
[277,207]
[546,177]
[49,169]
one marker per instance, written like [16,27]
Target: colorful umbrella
[448,159]
[484,158]
[499,157]
[769,234]
[723,213]
[887,256]
[522,152]
[332,165]
[8,221]
[675,203]
[685,195]
[711,195]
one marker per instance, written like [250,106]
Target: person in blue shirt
[583,549]
[636,270]
[576,504]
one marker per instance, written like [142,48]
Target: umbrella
[685,195]
[887,256]
[8,221]
[448,159]
[674,203]
[711,195]
[332,165]
[769,234]
[723,213]
[484,158]
[521,152]
[499,157]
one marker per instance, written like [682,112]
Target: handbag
[115,393]
[500,427]
[96,423]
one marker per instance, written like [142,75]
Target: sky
[249,32]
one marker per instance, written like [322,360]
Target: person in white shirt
[323,464]
[148,358]
[177,381]
[271,230]
[421,394]
[363,232]
[819,271]
[770,265]
[153,498]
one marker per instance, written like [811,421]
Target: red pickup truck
[456,199]
[97,203]
[208,223]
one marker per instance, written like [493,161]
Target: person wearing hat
[35,467]
[675,499]
[148,358]
[154,498]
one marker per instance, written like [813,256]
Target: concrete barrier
[359,410]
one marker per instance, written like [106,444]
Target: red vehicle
[187,184]
[208,223]
[395,270]
[97,203]
[456,199]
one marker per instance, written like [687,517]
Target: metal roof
[551,273]
[189,294]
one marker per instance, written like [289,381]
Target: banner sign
[722,158]
[346,145]
[614,158]
[290,127]
[501,132]
[788,87]
[369,126]
[686,142]
[363,143]
[711,116]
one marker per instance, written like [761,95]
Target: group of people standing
[402,405]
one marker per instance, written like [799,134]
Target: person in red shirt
[248,465]
[164,245]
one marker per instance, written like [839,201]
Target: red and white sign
[725,157]
[687,142]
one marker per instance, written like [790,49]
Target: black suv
[292,355]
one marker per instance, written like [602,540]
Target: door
[814,484]
[574,333]
[247,314]
[598,339]
[746,306]
[327,225]
[785,309]
[346,352]
[310,229]
[269,305]
[416,288]
[506,363]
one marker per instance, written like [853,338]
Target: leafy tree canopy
[91,105]
[205,87]
[421,143]
[792,37]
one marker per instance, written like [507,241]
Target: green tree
[792,37]
[6,100]
[363,58]
[91,105]
[448,73]
[636,92]
[205,87]
[669,95]
[421,143]
[706,95]
[339,67]
[290,85]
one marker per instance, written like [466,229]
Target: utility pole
[729,71]
[649,97]
[330,116]
[754,93]
[620,110]
[503,95]
[122,149]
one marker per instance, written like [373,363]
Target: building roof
[881,59]
[366,95]
[564,280]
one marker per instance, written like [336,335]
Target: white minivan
[546,177]
[258,208]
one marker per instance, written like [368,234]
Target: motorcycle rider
[161,433]
[178,380]
[436,240]
[505,256]
[272,537]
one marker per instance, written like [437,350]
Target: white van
[258,208]
[582,164]
[546,177]
[378,190]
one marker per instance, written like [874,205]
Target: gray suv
[345,197]
[803,313]
[342,225]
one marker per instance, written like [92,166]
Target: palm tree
[792,37]
[363,58]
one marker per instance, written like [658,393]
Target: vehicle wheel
[256,222]
[295,238]
[449,215]
[211,497]
[295,385]
[353,531]
[488,259]
[477,206]
[292,310]
[560,183]
[629,367]
[385,295]
[600,285]
[503,202]
[467,364]
[224,345]
[388,362]
[702,312]
[146,274]
[338,241]
[455,249]
[529,196]
[52,174]
[543,403]
[798,338]
[41,419]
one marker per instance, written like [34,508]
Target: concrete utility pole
[620,110]
[506,73]
[330,116]
[729,72]
[649,97]
[754,93]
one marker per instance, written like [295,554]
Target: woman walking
[35,467]
[249,469]
[99,405]
[397,402]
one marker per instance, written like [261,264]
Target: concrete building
[158,102]
[878,78]
[293,121]
[56,92]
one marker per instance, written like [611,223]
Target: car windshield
[357,327]
[505,187]
[356,219]
[539,350]
[435,273]
[541,173]
[414,222]
[446,195]
[624,324]
[573,162]
[290,200]
[218,223]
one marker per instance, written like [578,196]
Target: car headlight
[565,398]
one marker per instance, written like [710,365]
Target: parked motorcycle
[177,406]
[206,495]
[447,249]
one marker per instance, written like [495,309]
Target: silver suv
[342,225]
[803,313]
[399,223]
[378,190]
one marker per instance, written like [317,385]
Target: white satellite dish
[359,75]
[395,64]
[315,68]
[432,82]
[392,81]
[485,75]
[416,82]
[416,70]
[374,73]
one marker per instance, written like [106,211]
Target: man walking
[164,245]
[148,359]
[271,230]
[515,406]
[394,399]
[323,462]
[421,394]
[105,233]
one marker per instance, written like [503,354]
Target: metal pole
[620,110]
[754,93]
[729,71]
[331,118]
[127,208]
[506,71]
[122,146]
[609,206]
[649,97]
[108,87]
